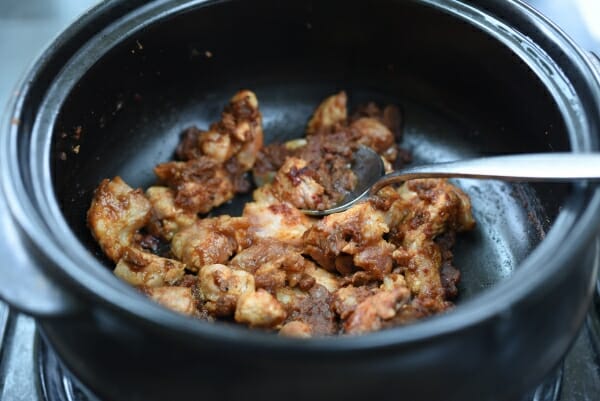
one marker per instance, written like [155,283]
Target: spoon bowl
[533,167]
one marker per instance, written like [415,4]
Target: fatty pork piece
[259,309]
[296,328]
[210,241]
[167,218]
[326,139]
[365,309]
[309,313]
[140,268]
[417,213]
[220,287]
[116,214]
[234,141]
[331,114]
[391,117]
[178,299]
[351,240]
[295,183]
[301,288]
[374,134]
[199,184]
[379,130]
[276,264]
[269,218]
[315,173]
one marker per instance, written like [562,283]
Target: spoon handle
[549,167]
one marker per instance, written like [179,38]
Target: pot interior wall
[462,94]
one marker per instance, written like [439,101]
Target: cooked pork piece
[221,287]
[116,214]
[199,184]
[370,311]
[214,162]
[259,309]
[419,211]
[351,239]
[330,114]
[269,218]
[234,140]
[178,299]
[296,329]
[274,265]
[209,241]
[140,268]
[167,218]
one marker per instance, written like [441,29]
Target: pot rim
[571,229]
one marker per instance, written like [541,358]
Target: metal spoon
[536,167]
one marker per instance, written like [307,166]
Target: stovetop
[29,369]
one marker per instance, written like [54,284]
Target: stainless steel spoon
[536,167]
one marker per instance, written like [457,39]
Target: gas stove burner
[4,312]
[57,384]
[593,320]
[549,390]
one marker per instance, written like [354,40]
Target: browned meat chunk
[141,268]
[214,161]
[167,218]
[274,265]
[269,218]
[351,239]
[259,309]
[209,241]
[330,114]
[296,329]
[314,310]
[116,214]
[178,299]
[371,311]
[235,140]
[199,184]
[220,288]
[419,211]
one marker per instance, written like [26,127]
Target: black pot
[113,93]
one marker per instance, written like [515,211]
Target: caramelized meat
[234,140]
[296,329]
[178,299]
[209,241]
[329,115]
[371,311]
[259,309]
[315,311]
[274,265]
[269,218]
[220,288]
[116,214]
[420,211]
[384,262]
[167,218]
[214,162]
[199,184]
[141,268]
[351,240]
